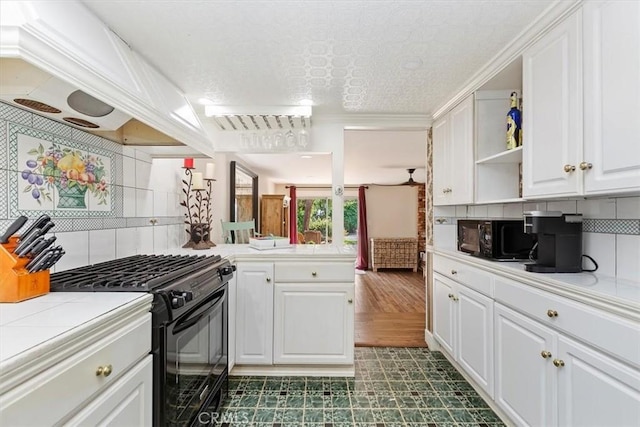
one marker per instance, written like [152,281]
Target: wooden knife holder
[16,283]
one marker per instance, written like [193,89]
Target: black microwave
[494,239]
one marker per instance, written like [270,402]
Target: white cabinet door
[443,313]
[441,161]
[611,95]
[474,349]
[552,112]
[525,382]
[595,390]
[127,402]
[231,330]
[313,323]
[254,315]
[461,165]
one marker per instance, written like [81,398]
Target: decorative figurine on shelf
[514,124]
[198,205]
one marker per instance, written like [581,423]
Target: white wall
[392,211]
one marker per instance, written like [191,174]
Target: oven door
[196,358]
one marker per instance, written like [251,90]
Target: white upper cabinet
[611,96]
[581,91]
[453,156]
[552,112]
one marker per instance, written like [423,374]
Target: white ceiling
[366,56]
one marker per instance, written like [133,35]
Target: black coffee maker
[559,241]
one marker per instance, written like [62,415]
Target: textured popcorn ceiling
[347,56]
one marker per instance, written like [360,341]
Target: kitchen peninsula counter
[297,252]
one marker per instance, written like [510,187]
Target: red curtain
[362,258]
[293,216]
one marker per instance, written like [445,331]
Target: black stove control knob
[225,271]
[177,300]
[187,295]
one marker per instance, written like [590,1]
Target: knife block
[16,283]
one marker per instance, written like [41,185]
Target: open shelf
[508,156]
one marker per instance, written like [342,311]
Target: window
[315,215]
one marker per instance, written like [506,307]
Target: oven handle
[200,312]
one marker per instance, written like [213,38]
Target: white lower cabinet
[594,389]
[108,381]
[254,315]
[313,323]
[546,378]
[463,325]
[524,385]
[294,313]
[128,402]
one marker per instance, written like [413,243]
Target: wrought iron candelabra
[198,216]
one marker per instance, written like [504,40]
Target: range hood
[28,87]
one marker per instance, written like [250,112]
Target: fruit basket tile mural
[58,176]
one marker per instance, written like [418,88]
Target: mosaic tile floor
[393,387]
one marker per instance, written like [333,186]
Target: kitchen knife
[38,261]
[48,226]
[44,244]
[13,228]
[50,261]
[28,248]
[27,241]
[38,223]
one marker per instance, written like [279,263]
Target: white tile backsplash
[446,211]
[534,206]
[160,201]
[513,210]
[144,240]
[627,256]
[495,211]
[480,211]
[564,206]
[143,175]
[102,245]
[176,236]
[461,211]
[128,202]
[597,208]
[628,208]
[160,238]
[602,248]
[129,171]
[76,247]
[144,203]
[444,236]
[126,242]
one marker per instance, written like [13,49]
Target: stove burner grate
[138,273]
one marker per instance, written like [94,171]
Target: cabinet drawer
[474,278]
[60,390]
[610,333]
[314,272]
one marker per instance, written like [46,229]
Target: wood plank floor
[390,309]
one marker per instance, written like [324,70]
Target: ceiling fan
[410,182]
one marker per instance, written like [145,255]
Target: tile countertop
[35,327]
[246,252]
[622,296]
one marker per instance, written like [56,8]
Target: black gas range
[190,325]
